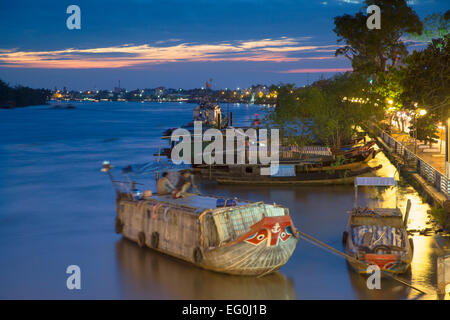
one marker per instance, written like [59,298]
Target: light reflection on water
[58,209]
[146,274]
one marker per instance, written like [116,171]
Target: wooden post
[443,275]
[408,208]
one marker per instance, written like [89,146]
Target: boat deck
[384,212]
[193,200]
[377,216]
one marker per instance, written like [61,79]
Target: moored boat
[247,238]
[290,175]
[378,236]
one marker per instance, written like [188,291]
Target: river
[57,209]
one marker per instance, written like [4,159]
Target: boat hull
[397,267]
[311,178]
[264,248]
[250,260]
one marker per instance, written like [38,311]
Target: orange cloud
[129,55]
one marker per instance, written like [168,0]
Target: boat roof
[377,212]
[193,200]
[375,181]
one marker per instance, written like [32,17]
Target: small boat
[246,238]
[378,236]
[355,150]
[362,155]
[351,144]
[209,114]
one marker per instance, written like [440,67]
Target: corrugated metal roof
[375,181]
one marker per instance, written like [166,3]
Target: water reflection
[321,212]
[423,267]
[390,289]
[146,274]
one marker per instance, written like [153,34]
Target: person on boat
[185,182]
[164,185]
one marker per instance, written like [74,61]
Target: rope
[165,212]
[324,245]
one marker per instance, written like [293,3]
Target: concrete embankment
[434,196]
[410,171]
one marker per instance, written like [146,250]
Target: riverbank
[59,209]
[410,171]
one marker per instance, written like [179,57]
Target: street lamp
[421,112]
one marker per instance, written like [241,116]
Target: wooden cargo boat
[320,154]
[295,176]
[378,235]
[301,167]
[319,162]
[251,239]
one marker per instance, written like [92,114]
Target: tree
[347,102]
[426,79]
[327,112]
[290,116]
[370,51]
[6,94]
[435,26]
[426,129]
[22,96]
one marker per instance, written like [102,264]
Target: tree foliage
[426,79]
[327,112]
[370,51]
[22,96]
[425,128]
[435,26]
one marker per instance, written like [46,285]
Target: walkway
[434,155]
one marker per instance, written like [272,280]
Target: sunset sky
[174,43]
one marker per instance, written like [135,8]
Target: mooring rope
[322,245]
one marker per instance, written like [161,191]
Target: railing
[437,179]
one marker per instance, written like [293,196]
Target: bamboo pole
[320,243]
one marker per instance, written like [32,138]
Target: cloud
[317,70]
[410,2]
[130,55]
[351,1]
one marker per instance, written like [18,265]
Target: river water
[57,209]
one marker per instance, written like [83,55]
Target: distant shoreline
[66,103]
